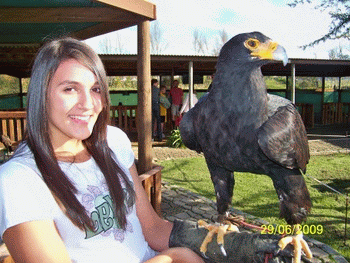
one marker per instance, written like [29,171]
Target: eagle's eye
[252,43]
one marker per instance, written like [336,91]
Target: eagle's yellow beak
[268,50]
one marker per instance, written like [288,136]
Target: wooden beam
[64,15]
[293,85]
[144,116]
[100,29]
[139,7]
[190,82]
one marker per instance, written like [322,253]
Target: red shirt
[176,95]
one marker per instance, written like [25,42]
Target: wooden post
[190,86]
[21,92]
[293,85]
[323,88]
[323,112]
[339,91]
[287,88]
[144,111]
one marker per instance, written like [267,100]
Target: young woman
[71,191]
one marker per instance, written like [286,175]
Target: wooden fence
[306,111]
[13,123]
[336,113]
[124,117]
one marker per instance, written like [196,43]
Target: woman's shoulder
[18,167]
[120,144]
[115,134]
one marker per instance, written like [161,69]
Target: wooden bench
[12,125]
[152,182]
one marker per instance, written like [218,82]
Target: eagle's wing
[283,137]
[187,126]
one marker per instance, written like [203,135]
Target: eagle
[239,127]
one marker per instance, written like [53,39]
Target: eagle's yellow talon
[220,230]
[206,241]
[306,248]
[285,241]
[202,223]
[299,245]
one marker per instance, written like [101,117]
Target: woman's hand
[176,255]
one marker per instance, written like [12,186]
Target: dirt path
[317,147]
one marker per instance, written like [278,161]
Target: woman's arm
[155,229]
[36,241]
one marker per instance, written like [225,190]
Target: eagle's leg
[223,181]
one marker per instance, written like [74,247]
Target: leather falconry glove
[240,247]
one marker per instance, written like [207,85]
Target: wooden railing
[151,181]
[335,113]
[124,117]
[306,111]
[13,124]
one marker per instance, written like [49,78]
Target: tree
[339,11]
[105,45]
[158,45]
[200,43]
[337,53]
[8,85]
[112,44]
[223,37]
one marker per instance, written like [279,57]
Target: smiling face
[74,103]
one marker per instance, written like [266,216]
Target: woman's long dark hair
[37,136]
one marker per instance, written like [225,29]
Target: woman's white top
[25,197]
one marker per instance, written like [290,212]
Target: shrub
[175,139]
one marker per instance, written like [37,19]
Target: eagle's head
[252,47]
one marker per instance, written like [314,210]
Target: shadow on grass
[340,185]
[328,208]
[187,180]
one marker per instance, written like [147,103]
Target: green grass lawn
[255,194]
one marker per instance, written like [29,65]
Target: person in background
[71,192]
[186,102]
[156,120]
[176,95]
[164,105]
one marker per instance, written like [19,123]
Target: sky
[290,27]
